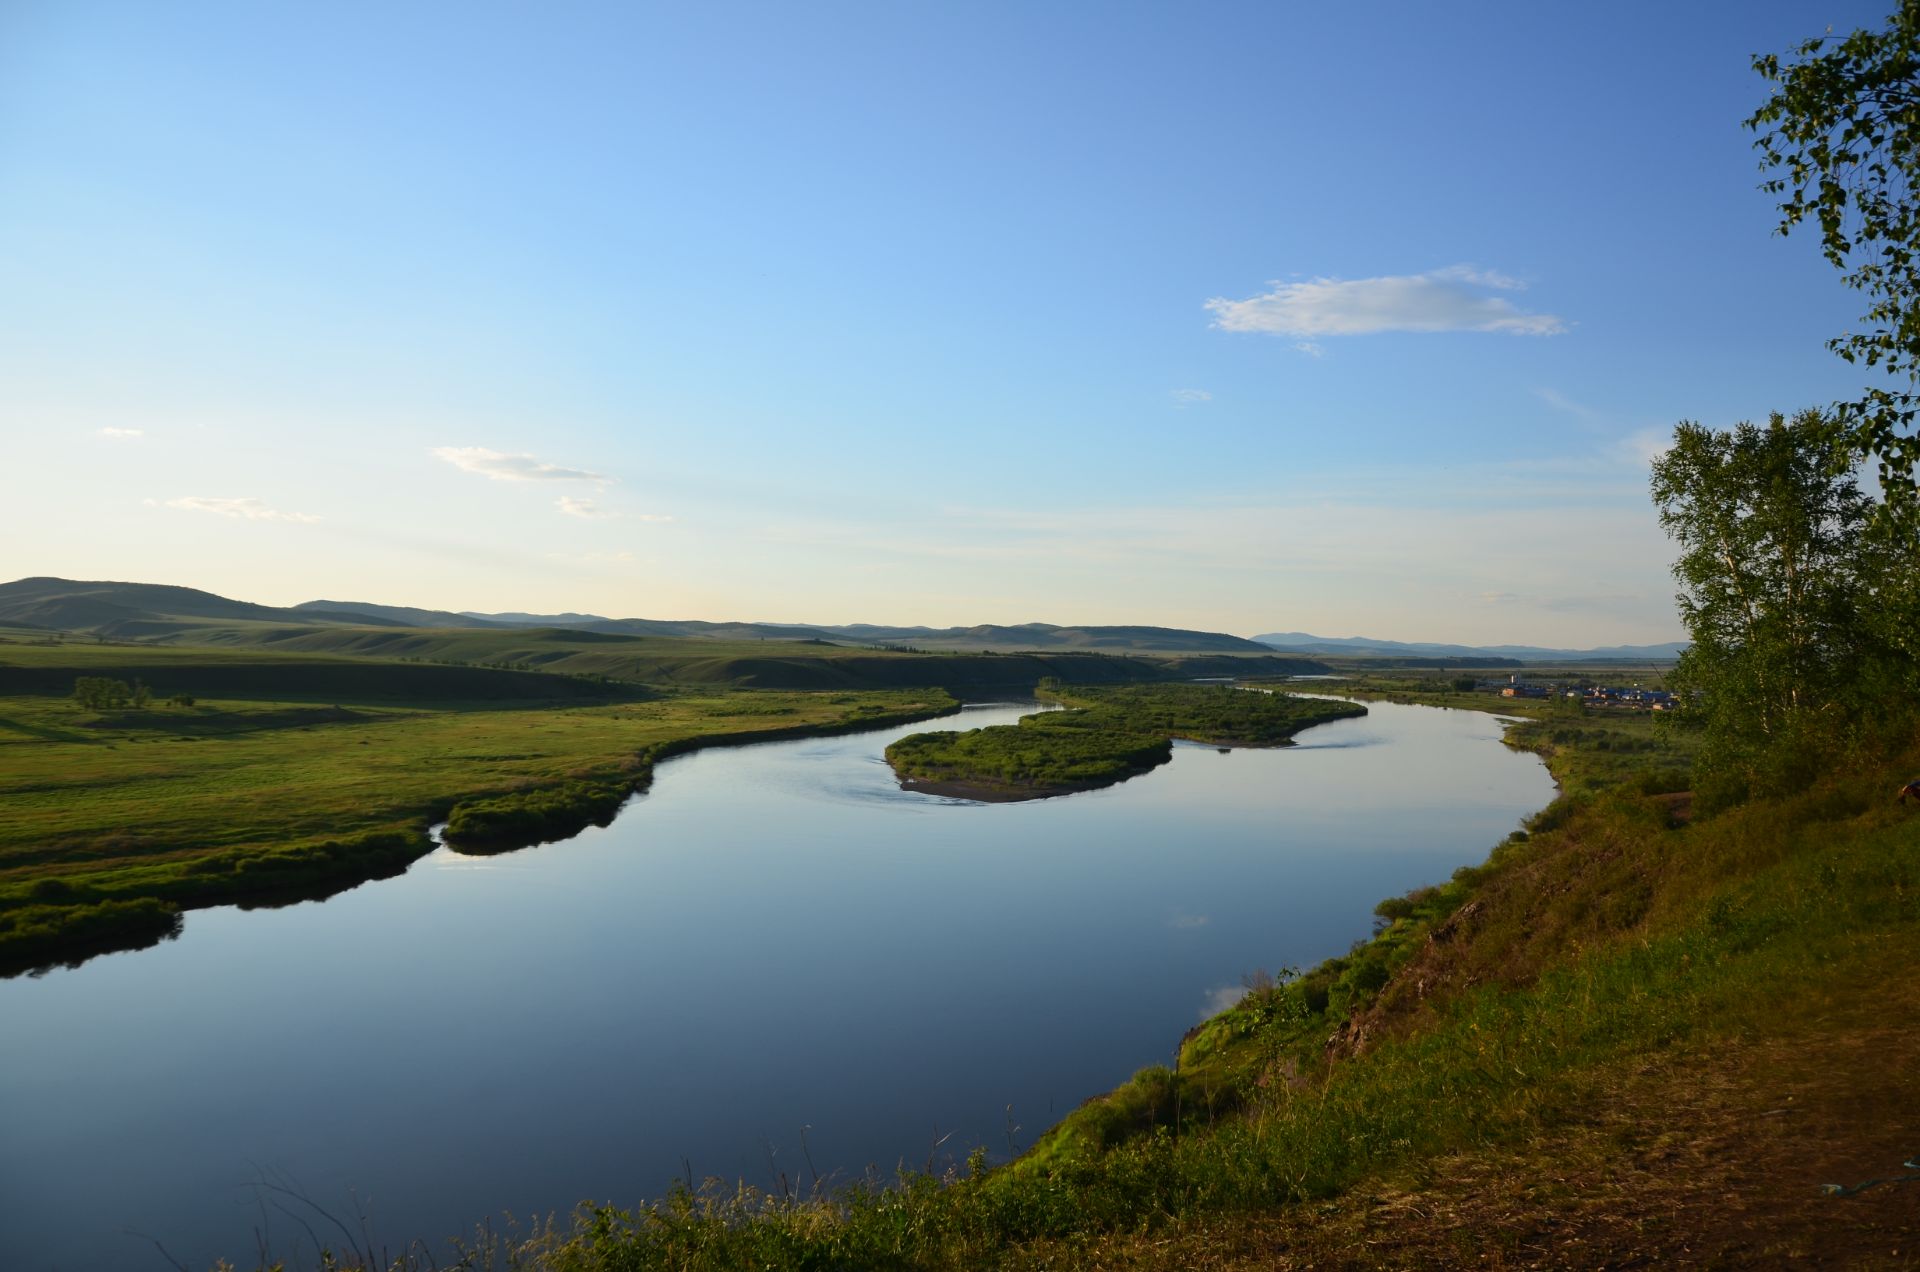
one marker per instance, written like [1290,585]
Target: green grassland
[284,760]
[1106,735]
[174,646]
[251,797]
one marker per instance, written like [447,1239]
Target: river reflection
[776,938]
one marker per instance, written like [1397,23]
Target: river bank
[113,824]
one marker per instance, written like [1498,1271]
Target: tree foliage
[102,693]
[1785,596]
[1841,134]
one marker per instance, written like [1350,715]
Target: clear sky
[1344,318]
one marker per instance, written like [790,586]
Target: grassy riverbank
[1106,735]
[1541,1060]
[113,820]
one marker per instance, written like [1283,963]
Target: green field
[328,772]
[1106,735]
[181,651]
[271,760]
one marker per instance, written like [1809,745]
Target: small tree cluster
[103,693]
[1787,599]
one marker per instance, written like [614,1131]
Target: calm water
[774,939]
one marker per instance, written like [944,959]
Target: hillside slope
[112,608]
[145,611]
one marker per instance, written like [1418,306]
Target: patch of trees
[104,693]
[1839,138]
[1799,587]
[1795,597]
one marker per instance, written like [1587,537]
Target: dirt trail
[1713,1158]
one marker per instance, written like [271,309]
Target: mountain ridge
[132,610]
[1305,642]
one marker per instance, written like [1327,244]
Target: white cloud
[1453,299]
[503,467]
[247,509]
[1188,397]
[123,432]
[1311,348]
[658,517]
[578,507]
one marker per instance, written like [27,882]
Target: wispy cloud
[1642,448]
[123,432]
[1561,402]
[246,509]
[1190,397]
[503,467]
[591,510]
[594,558]
[1312,348]
[1458,298]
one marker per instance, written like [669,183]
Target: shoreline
[47,936]
[985,792]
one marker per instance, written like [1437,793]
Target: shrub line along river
[774,942]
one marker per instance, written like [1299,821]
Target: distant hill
[1047,636]
[404,615]
[160,611]
[118,609]
[1304,643]
[1023,637]
[536,620]
[713,631]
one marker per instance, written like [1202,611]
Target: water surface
[774,941]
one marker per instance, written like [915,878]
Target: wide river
[774,943]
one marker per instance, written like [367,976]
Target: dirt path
[1714,1158]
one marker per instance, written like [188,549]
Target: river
[774,961]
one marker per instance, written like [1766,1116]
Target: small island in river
[1107,734]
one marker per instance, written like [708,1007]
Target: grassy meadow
[268,759]
[233,797]
[169,645]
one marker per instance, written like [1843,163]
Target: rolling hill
[1362,646]
[147,611]
[109,607]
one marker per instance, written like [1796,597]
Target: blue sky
[1347,319]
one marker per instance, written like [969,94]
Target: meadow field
[254,775]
